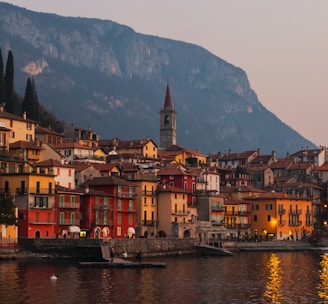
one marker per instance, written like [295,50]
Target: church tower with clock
[168,133]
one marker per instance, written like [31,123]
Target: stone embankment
[148,247]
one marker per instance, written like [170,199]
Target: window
[72,199]
[12,134]
[119,205]
[72,218]
[268,207]
[61,218]
[62,201]
[131,205]
[37,187]
[255,218]
[69,172]
[28,137]
[58,171]
[119,231]
[269,217]
[255,207]
[119,219]
[130,219]
[29,126]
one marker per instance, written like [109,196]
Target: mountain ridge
[112,79]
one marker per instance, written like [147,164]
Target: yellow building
[33,190]
[146,204]
[184,156]
[144,147]
[20,128]
[174,220]
[281,216]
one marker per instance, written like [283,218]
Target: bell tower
[167,122]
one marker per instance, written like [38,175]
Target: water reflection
[323,274]
[273,285]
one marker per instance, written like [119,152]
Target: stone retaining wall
[91,248]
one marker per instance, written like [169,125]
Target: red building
[177,175]
[119,197]
[67,212]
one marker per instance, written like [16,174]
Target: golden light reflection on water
[323,274]
[273,285]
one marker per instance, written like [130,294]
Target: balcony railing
[35,190]
[244,226]
[148,192]
[69,205]
[179,212]
[69,222]
[41,221]
[150,223]
[295,223]
[281,211]
[295,212]
[126,195]
[217,209]
[244,213]
[231,213]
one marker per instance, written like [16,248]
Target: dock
[120,263]
[212,250]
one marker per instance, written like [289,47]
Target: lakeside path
[272,246]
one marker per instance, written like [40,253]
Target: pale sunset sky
[281,45]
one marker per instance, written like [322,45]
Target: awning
[131,230]
[74,229]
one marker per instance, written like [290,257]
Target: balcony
[217,209]
[281,211]
[295,212]
[148,193]
[295,223]
[244,226]
[244,213]
[149,223]
[231,213]
[126,195]
[69,222]
[103,208]
[69,205]
[179,212]
[41,221]
[35,190]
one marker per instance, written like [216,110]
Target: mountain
[103,75]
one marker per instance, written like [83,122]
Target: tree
[30,103]
[7,212]
[2,81]
[9,81]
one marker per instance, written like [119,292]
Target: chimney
[24,115]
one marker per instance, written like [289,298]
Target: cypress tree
[2,81]
[30,103]
[9,81]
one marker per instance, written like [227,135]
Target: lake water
[247,277]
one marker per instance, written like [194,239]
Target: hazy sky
[281,45]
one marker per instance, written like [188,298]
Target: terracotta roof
[238,156]
[274,195]
[22,144]
[104,167]
[68,190]
[233,201]
[72,145]
[4,114]
[324,167]
[52,163]
[307,152]
[299,166]
[108,181]
[40,130]
[282,163]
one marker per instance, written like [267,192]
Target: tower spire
[168,101]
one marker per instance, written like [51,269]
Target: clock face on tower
[167,120]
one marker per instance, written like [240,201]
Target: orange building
[281,216]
